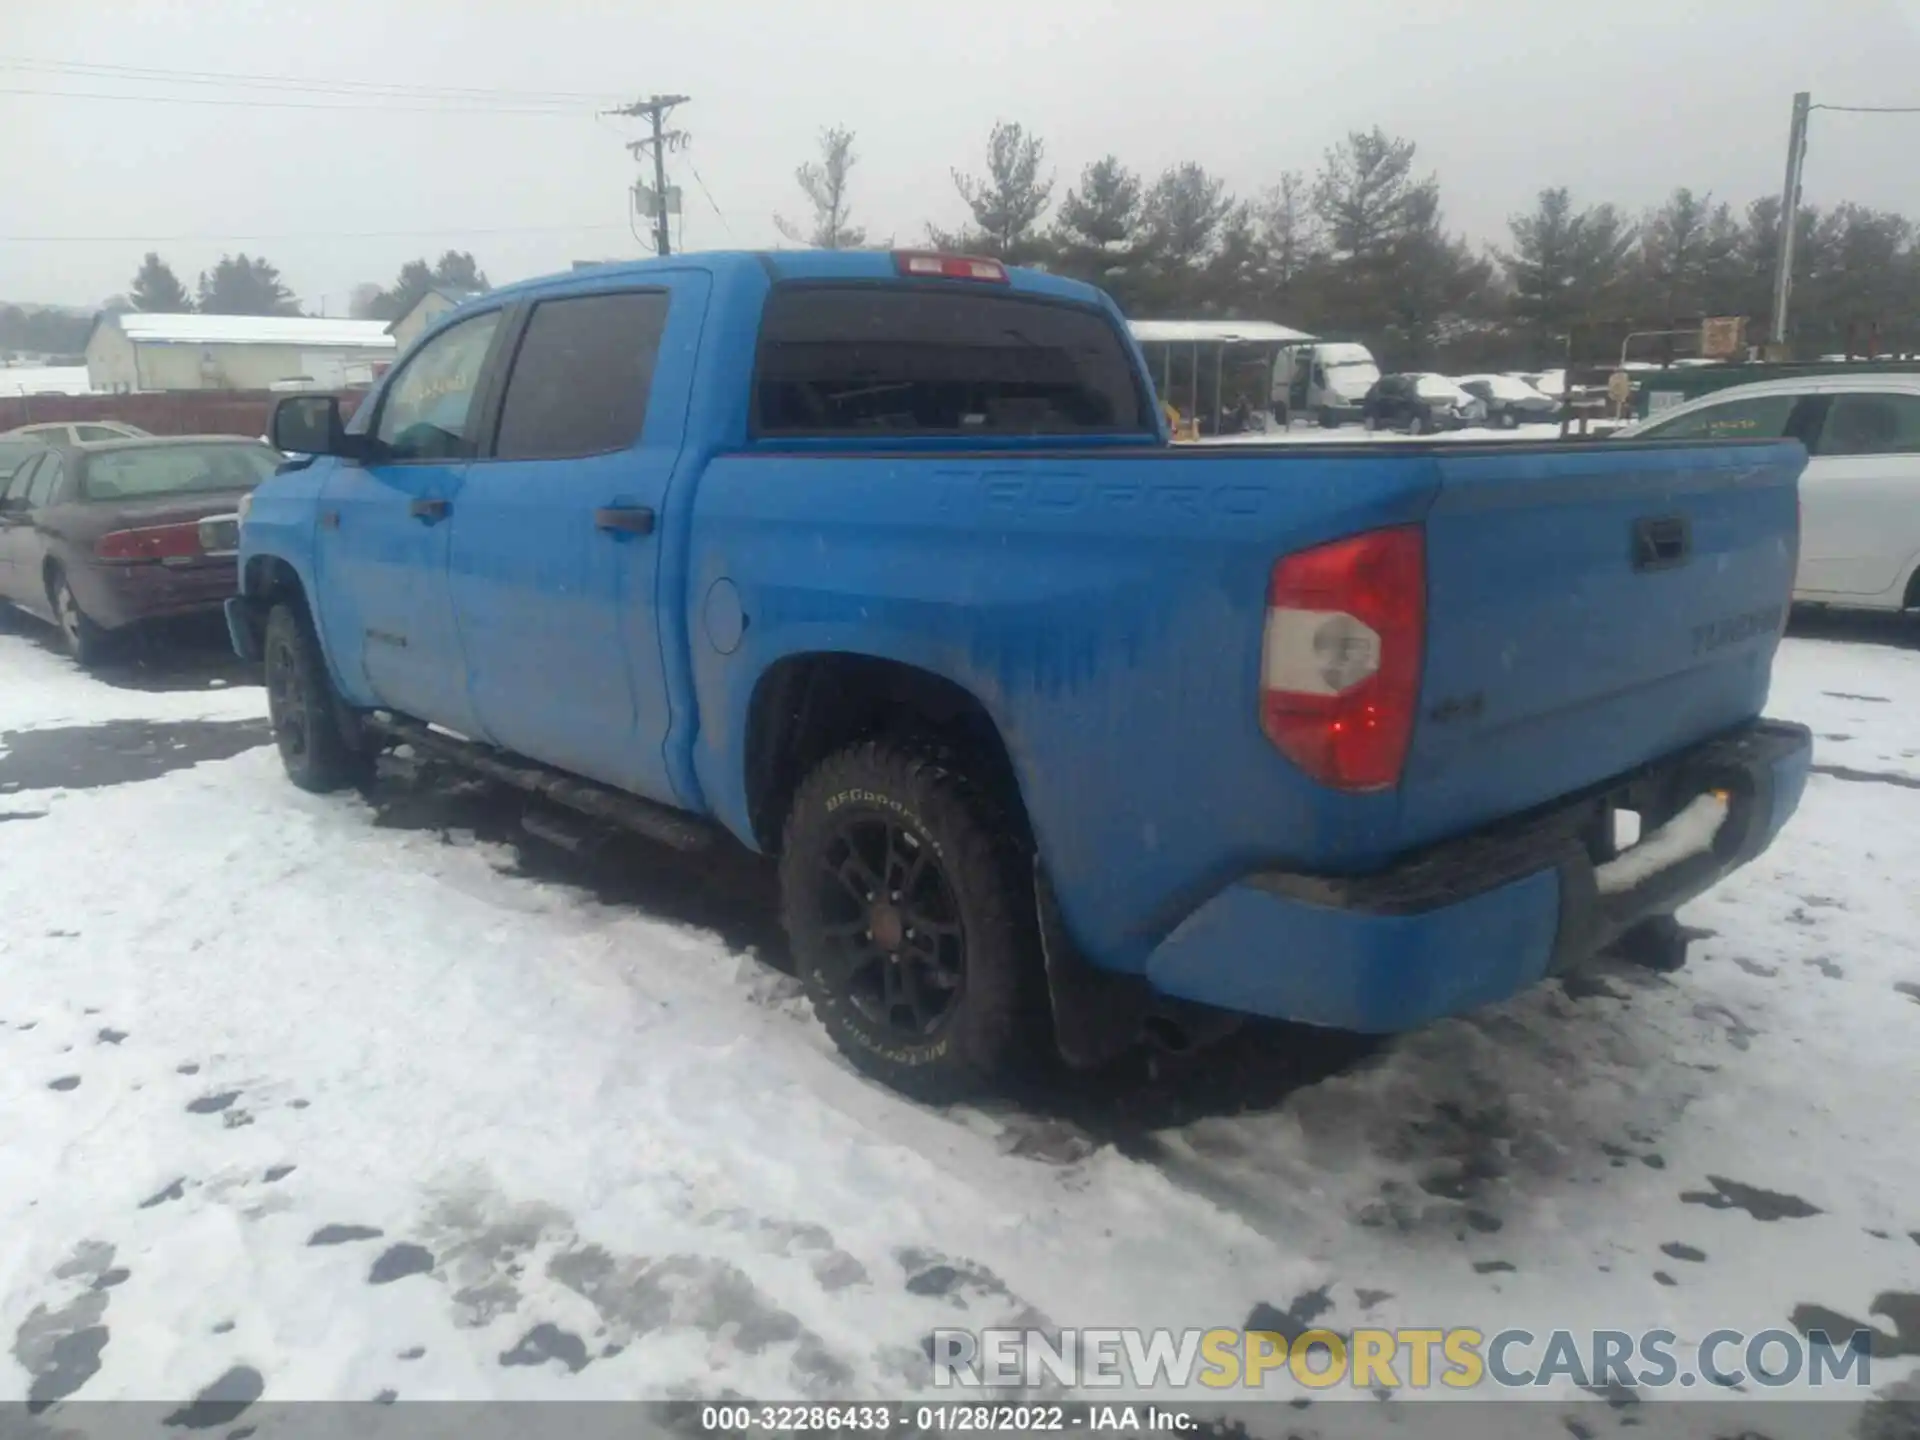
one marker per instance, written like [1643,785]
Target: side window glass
[580,380]
[40,484]
[1871,423]
[98,432]
[14,486]
[426,412]
[1761,417]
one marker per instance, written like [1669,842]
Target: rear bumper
[115,596]
[1479,918]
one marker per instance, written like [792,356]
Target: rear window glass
[906,360]
[177,470]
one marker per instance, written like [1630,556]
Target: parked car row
[1423,403]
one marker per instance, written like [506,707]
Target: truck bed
[1107,605]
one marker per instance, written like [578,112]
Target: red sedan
[97,537]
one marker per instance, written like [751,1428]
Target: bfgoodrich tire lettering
[911,925]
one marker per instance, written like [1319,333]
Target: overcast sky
[1621,100]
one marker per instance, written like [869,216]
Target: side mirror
[309,425]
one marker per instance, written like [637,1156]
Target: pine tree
[1186,215]
[457,270]
[824,183]
[1290,243]
[157,290]
[1435,286]
[1362,193]
[1099,235]
[240,285]
[1567,266]
[1689,259]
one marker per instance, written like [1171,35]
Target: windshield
[1343,355]
[177,470]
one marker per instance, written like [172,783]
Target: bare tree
[824,183]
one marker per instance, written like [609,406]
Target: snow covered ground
[353,1098]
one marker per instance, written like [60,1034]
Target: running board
[602,802]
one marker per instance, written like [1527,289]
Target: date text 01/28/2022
[976,1419]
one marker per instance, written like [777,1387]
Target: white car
[1860,493]
[76,432]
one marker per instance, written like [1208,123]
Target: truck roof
[793,265]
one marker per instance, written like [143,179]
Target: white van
[1326,380]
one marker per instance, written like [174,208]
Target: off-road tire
[303,708]
[86,642]
[995,1027]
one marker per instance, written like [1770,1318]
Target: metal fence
[180,412]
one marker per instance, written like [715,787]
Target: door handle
[1662,543]
[431,511]
[624,519]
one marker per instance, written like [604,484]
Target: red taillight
[152,542]
[1340,663]
[928,265]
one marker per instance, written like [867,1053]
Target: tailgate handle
[1662,543]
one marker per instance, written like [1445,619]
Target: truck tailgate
[1590,610]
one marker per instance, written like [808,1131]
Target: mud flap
[1098,1015]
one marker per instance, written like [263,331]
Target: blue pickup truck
[1063,735]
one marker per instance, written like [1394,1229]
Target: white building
[138,351]
[431,305]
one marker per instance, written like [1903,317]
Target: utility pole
[655,109]
[1789,215]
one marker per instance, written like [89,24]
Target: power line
[710,200]
[249,80]
[1872,109]
[456,109]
